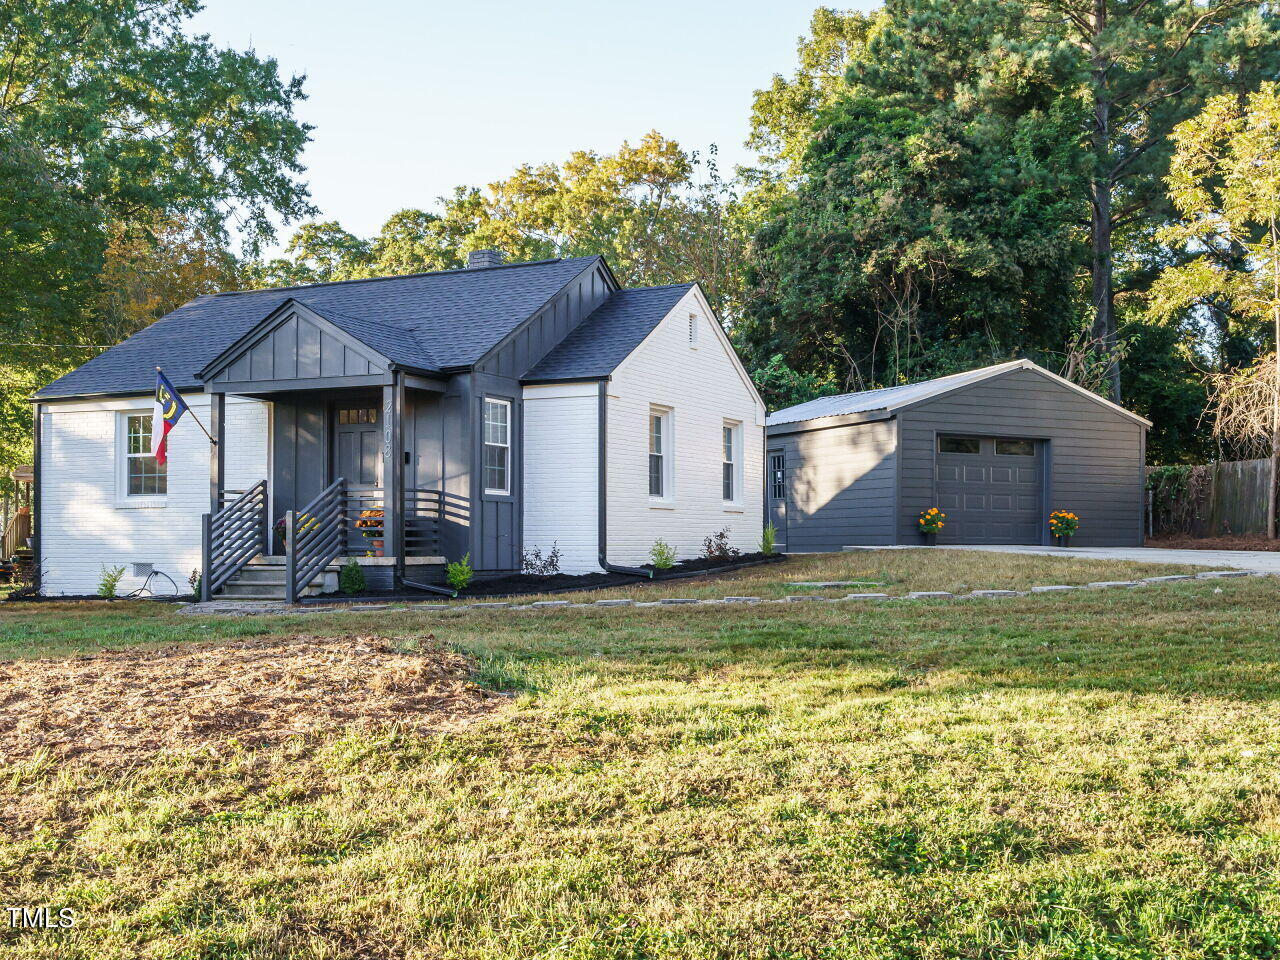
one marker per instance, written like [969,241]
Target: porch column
[217,454]
[393,470]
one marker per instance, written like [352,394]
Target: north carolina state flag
[168,410]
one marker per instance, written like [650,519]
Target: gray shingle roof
[605,338]
[431,321]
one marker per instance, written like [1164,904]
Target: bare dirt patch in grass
[125,705]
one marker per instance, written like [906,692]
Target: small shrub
[195,581]
[718,547]
[768,540]
[533,562]
[351,578]
[459,573]
[662,554]
[109,582]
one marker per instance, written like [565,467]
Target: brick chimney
[484,258]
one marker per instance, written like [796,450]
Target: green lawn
[1086,775]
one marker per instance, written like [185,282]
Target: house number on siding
[386,429]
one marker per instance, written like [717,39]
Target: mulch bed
[521,584]
[524,583]
[1214,543]
[122,706]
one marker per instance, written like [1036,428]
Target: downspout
[602,512]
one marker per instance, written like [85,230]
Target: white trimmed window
[140,475]
[497,446]
[730,461]
[693,330]
[660,451]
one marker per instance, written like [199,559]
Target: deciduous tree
[1224,181]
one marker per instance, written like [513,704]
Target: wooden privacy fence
[1210,500]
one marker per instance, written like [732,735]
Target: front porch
[299,554]
[359,465]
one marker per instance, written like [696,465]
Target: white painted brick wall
[86,524]
[561,479]
[703,387]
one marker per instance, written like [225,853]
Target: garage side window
[959,445]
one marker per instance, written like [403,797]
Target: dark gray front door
[357,449]
[777,492]
[990,489]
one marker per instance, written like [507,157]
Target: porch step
[264,579]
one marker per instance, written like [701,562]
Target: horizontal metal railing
[425,512]
[315,536]
[232,537]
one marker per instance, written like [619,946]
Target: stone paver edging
[247,608]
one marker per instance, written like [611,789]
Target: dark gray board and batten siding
[443,434]
[1094,454]
[297,349]
[496,542]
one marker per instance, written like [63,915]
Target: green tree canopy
[659,214]
[935,225]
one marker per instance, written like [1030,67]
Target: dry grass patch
[126,705]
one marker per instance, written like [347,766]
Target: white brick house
[483,411]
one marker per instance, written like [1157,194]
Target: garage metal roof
[889,399]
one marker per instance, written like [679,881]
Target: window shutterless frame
[140,476]
[497,446]
[661,478]
[657,453]
[729,463]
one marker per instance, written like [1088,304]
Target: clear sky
[410,99]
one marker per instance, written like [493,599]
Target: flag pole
[196,419]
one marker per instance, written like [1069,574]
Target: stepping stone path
[234,608]
[834,583]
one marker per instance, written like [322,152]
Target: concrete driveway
[1257,561]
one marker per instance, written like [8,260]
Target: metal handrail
[315,536]
[232,537]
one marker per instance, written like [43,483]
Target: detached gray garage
[997,449]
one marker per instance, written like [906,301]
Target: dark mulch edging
[1226,542]
[15,597]
[515,585]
